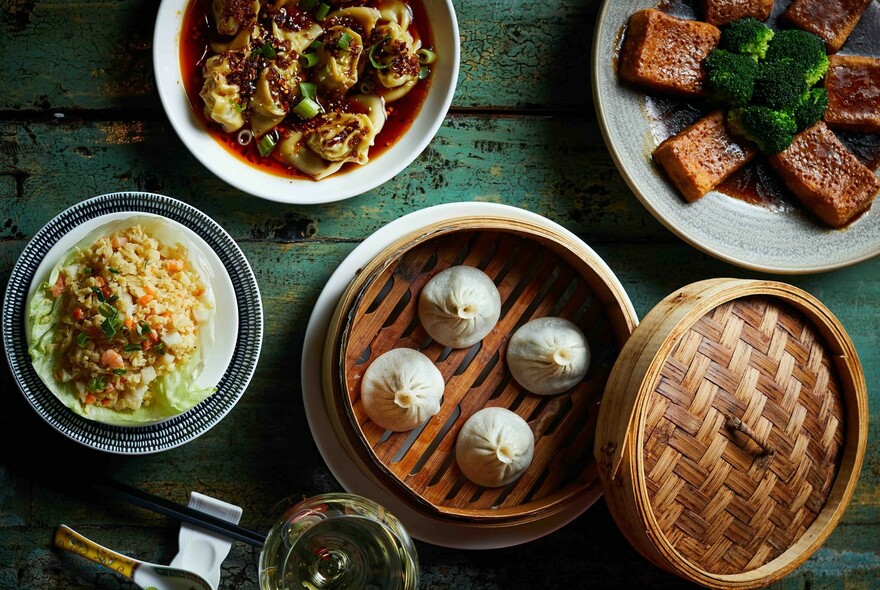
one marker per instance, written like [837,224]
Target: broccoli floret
[810,108]
[771,130]
[746,36]
[806,49]
[780,84]
[731,76]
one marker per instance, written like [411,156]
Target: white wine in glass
[336,541]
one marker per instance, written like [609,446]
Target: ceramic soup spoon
[149,576]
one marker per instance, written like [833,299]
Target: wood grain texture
[239,459]
[79,116]
[557,167]
[509,54]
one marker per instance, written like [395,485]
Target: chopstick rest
[202,551]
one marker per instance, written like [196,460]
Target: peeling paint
[290,228]
[17,14]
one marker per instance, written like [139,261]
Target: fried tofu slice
[826,177]
[831,20]
[722,12]
[853,85]
[700,157]
[666,54]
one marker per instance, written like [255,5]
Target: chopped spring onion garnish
[266,145]
[144,328]
[113,299]
[307,108]
[376,64]
[98,294]
[97,384]
[307,4]
[322,11]
[113,270]
[310,59]
[111,325]
[245,137]
[308,89]
[132,347]
[266,51]
[119,371]
[424,72]
[107,311]
[368,87]
[344,41]
[82,338]
[316,45]
[160,348]
[426,56]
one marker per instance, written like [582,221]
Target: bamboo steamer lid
[732,431]
[539,272]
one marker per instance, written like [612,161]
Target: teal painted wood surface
[82,118]
[515,54]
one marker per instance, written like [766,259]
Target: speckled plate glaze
[746,235]
[237,371]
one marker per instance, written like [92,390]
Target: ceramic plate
[750,236]
[419,525]
[238,331]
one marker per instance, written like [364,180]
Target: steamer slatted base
[732,431]
[538,274]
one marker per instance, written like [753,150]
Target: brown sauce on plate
[756,182]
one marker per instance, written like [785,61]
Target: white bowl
[247,178]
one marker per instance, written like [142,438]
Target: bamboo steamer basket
[539,272]
[732,431]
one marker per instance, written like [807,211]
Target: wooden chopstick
[179,512]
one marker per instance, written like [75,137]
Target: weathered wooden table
[79,116]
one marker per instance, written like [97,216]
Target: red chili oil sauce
[195,39]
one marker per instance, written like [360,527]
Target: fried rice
[131,311]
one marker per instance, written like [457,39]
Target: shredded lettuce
[174,392]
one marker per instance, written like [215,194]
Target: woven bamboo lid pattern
[539,273]
[732,432]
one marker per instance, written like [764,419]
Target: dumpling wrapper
[294,150]
[459,306]
[548,355]
[494,447]
[222,99]
[401,389]
[173,393]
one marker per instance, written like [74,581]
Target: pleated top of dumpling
[459,306]
[494,447]
[401,389]
[548,355]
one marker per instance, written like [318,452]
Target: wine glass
[335,541]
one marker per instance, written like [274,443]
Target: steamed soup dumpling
[494,447]
[548,355]
[459,306]
[401,389]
